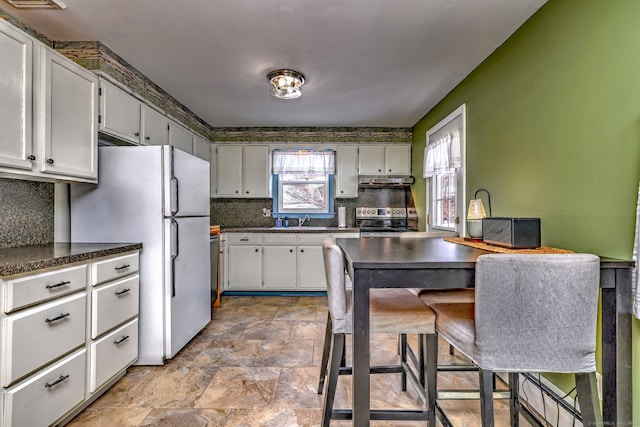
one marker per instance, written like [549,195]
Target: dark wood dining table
[393,262]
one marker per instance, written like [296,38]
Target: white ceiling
[374,63]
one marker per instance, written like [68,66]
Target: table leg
[361,350]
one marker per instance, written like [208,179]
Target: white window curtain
[635,279]
[442,154]
[308,161]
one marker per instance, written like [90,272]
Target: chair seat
[398,311]
[437,296]
[392,311]
[455,323]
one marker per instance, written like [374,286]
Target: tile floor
[257,364]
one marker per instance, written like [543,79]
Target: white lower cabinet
[276,261]
[111,353]
[43,398]
[38,335]
[113,304]
[60,325]
[311,268]
[245,266]
[279,261]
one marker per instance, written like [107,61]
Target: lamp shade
[476,209]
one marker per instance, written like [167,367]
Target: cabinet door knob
[147,138]
[379,170]
[50,161]
[290,250]
[247,191]
[301,250]
[237,191]
[136,134]
[31,157]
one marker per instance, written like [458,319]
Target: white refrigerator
[159,196]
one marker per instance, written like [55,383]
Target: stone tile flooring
[257,364]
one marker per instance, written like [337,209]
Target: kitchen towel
[342,217]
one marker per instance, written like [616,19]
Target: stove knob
[388,212]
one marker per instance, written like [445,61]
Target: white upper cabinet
[16,51]
[384,160]
[180,137]
[155,128]
[203,149]
[256,171]
[347,171]
[48,112]
[398,159]
[242,171]
[67,106]
[119,113]
[229,170]
[371,160]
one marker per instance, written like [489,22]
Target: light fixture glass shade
[285,84]
[476,209]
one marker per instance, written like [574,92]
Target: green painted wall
[553,128]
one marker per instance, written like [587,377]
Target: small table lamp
[475,215]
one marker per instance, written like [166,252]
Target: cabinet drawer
[38,335]
[112,353]
[254,239]
[48,395]
[280,238]
[109,269]
[114,303]
[312,238]
[36,288]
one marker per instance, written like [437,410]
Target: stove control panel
[381,212]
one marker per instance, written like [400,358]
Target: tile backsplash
[26,213]
[234,213]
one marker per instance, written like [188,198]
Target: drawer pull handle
[64,282]
[122,267]
[60,317]
[244,239]
[122,292]
[124,338]
[56,382]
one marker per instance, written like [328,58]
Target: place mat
[500,249]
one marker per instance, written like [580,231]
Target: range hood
[380,181]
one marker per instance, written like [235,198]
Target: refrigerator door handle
[175,198]
[175,251]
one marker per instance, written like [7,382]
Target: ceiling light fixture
[40,4]
[285,84]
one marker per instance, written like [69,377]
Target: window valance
[443,154]
[307,161]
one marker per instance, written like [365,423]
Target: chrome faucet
[303,221]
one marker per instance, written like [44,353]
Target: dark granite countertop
[303,229]
[35,257]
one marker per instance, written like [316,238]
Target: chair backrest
[537,312]
[335,274]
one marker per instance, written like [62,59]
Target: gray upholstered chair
[392,311]
[532,313]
